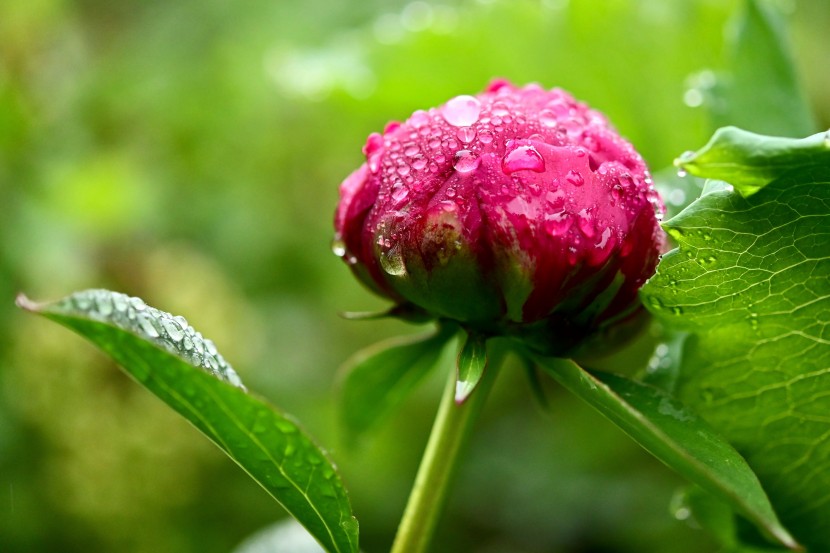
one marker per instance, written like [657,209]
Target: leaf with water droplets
[379,378]
[472,362]
[182,368]
[749,161]
[676,436]
[750,281]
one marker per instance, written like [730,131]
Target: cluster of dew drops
[453,138]
[171,333]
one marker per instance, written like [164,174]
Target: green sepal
[472,362]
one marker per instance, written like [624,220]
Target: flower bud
[516,212]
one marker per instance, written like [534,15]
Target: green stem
[452,426]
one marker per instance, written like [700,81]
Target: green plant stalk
[452,427]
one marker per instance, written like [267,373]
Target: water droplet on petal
[373,144]
[338,246]
[403,170]
[586,224]
[391,261]
[419,119]
[547,118]
[465,161]
[374,162]
[485,137]
[558,223]
[399,194]
[602,249]
[412,150]
[523,158]
[462,111]
[575,178]
[466,134]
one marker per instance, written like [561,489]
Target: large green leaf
[379,378]
[178,365]
[748,161]
[751,280]
[675,436]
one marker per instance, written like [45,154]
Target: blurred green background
[189,153]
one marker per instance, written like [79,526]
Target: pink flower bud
[519,212]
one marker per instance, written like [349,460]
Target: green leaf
[173,361]
[749,161]
[379,378]
[761,91]
[674,435]
[472,362]
[750,279]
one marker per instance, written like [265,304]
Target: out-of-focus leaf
[472,362]
[733,534]
[750,280]
[378,379]
[173,361]
[748,161]
[761,91]
[676,436]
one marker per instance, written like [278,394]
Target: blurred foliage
[189,153]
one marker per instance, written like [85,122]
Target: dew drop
[465,161]
[682,173]
[419,119]
[391,261]
[338,246]
[399,194]
[586,224]
[374,162]
[575,178]
[403,170]
[462,111]
[466,134]
[147,326]
[419,163]
[591,143]
[500,109]
[485,137]
[559,223]
[103,303]
[173,330]
[119,302]
[523,158]
[83,302]
[547,117]
[412,150]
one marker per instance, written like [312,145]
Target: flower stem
[450,431]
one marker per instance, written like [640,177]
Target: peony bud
[516,212]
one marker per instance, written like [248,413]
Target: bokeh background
[189,153]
